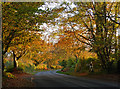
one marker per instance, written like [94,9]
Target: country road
[53,79]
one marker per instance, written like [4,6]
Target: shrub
[8,63]
[66,69]
[58,67]
[70,63]
[90,59]
[97,67]
[77,67]
[12,69]
[63,63]
[19,69]
[9,75]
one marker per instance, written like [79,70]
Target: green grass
[68,73]
[80,73]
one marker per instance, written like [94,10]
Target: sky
[50,29]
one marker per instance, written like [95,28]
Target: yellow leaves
[74,9]
[41,66]
[86,55]
[5,24]
[27,46]
[116,25]
[7,3]
[3,18]
[9,75]
[60,19]
[20,46]
[71,19]
[55,34]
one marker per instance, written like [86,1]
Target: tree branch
[113,20]
[84,37]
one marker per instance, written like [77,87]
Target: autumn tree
[99,31]
[18,18]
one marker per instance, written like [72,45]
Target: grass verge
[68,73]
[94,75]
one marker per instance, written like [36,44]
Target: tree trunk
[101,57]
[2,66]
[14,60]
[76,58]
[118,62]
[17,63]
[2,60]
[116,56]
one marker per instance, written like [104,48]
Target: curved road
[53,79]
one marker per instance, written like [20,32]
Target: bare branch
[113,20]
[82,41]
[84,37]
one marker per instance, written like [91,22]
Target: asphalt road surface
[53,79]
